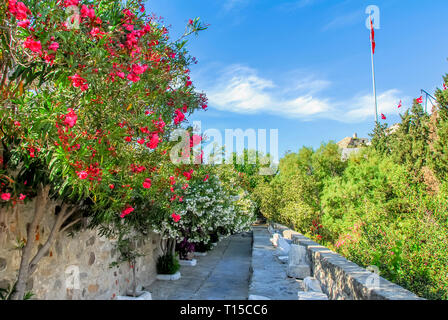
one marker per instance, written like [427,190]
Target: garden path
[221,275]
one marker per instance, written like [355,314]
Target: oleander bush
[90,93]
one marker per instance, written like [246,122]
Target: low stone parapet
[341,279]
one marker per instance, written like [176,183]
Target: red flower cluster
[179,116]
[147,183]
[175,217]
[82,175]
[79,82]
[154,141]
[70,118]
[188,174]
[87,12]
[34,46]
[195,140]
[137,169]
[18,9]
[126,212]
[6,196]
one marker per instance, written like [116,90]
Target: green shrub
[203,246]
[167,264]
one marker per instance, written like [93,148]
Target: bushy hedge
[386,206]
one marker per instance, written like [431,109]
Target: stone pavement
[269,275]
[221,275]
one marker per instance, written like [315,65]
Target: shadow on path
[221,275]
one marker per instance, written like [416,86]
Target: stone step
[311,284]
[311,295]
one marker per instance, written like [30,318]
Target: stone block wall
[74,268]
[342,279]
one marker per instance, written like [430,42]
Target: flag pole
[373,73]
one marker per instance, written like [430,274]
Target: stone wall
[342,279]
[85,257]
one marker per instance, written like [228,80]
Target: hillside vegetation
[385,206]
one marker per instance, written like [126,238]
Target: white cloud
[362,107]
[241,90]
[344,20]
[231,4]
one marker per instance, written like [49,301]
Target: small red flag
[420,100]
[400,105]
[372,36]
[383,117]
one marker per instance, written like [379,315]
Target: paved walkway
[221,275]
[269,275]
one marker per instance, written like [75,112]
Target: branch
[71,224]
[61,218]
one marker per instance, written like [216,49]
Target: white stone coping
[200,254]
[352,281]
[255,297]
[283,259]
[169,277]
[141,295]
[311,295]
[190,263]
[312,284]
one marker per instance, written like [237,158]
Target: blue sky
[303,66]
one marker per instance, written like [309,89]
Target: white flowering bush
[207,207]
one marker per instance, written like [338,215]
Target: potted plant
[186,249]
[167,264]
[202,248]
[214,238]
[129,254]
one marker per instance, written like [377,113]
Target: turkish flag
[372,36]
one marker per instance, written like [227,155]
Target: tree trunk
[134,279]
[39,209]
[27,267]
[172,246]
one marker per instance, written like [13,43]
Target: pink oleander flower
[68,3]
[138,69]
[195,140]
[153,143]
[126,212]
[87,12]
[96,33]
[70,118]
[147,183]
[54,46]
[133,77]
[6,196]
[24,23]
[79,82]
[188,174]
[82,175]
[175,217]
[34,46]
